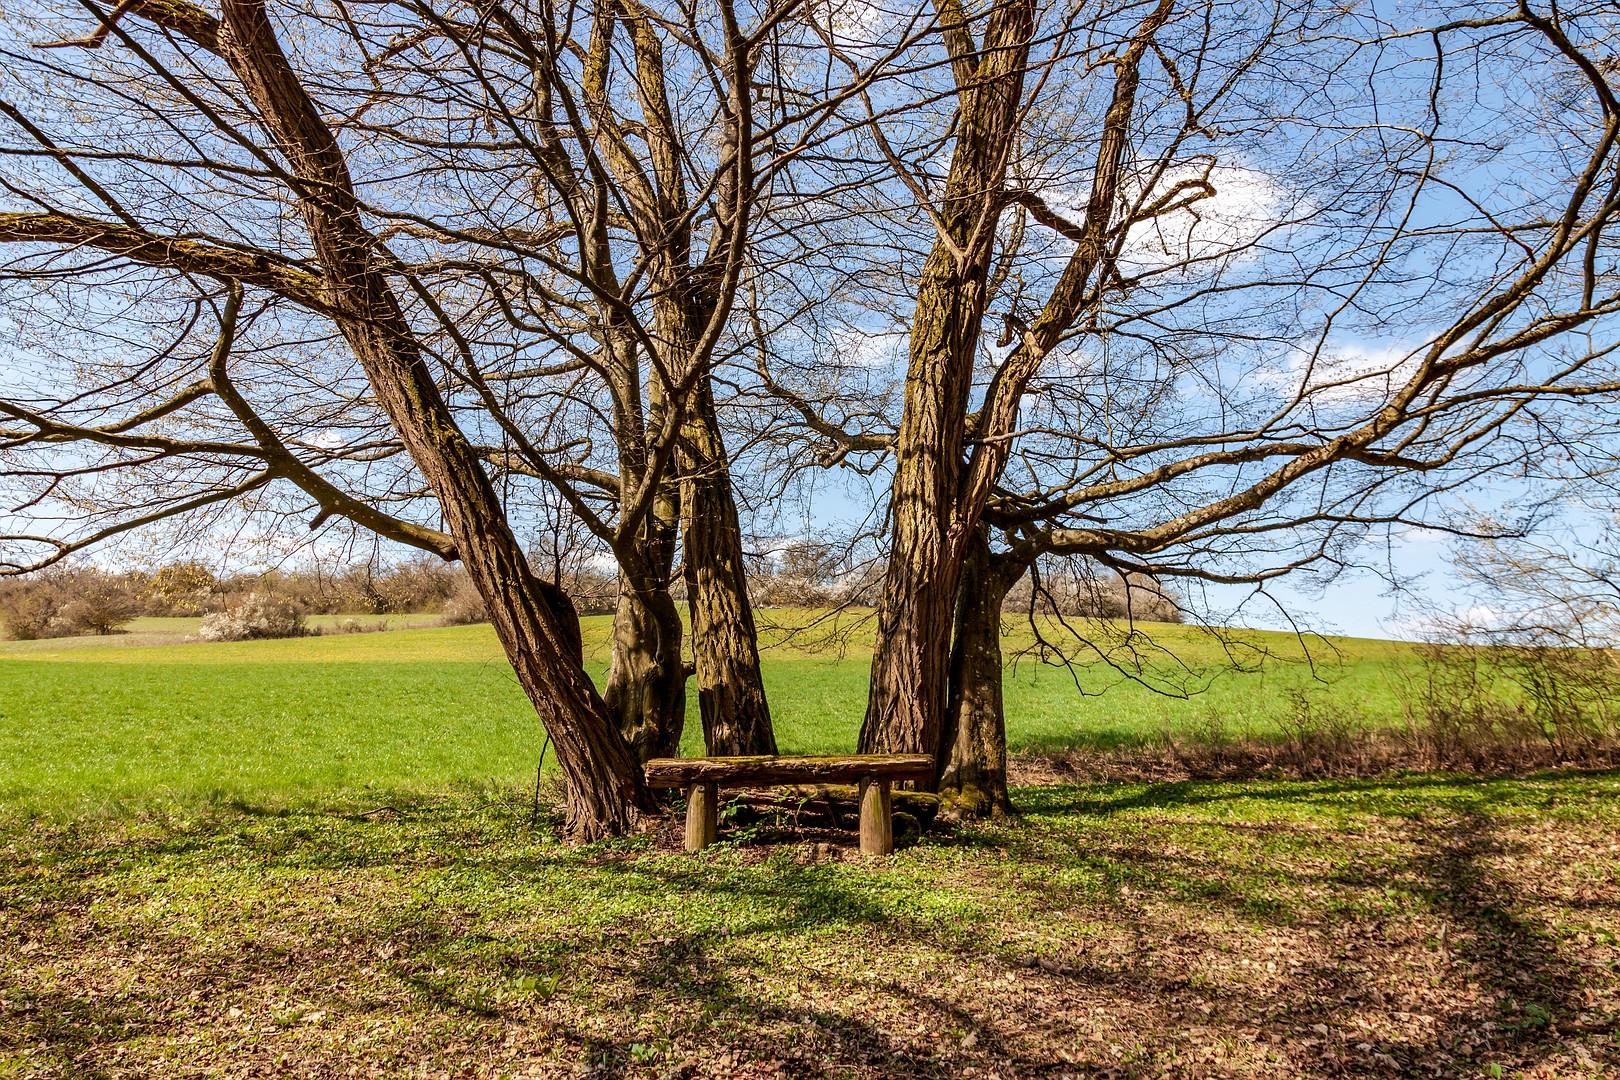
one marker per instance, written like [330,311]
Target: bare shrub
[1470,704]
[1535,667]
[1316,737]
[65,603]
[88,600]
[465,607]
[808,574]
[593,592]
[257,616]
[28,610]
[1081,589]
[414,586]
[102,608]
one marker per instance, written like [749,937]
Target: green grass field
[318,858]
[145,716]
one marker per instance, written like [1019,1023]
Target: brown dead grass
[1306,754]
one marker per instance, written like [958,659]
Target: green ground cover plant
[1417,926]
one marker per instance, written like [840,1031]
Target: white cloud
[1347,372]
[327,439]
[865,28]
[1244,204]
[1448,626]
[601,562]
[853,347]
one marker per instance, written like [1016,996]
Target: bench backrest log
[875,773]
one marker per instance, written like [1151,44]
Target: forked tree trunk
[973,777]
[605,789]
[937,502]
[731,691]
[906,706]
[687,300]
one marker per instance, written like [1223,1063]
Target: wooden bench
[874,773]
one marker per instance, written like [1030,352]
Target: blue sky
[1358,602]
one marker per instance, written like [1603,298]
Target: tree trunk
[646,684]
[605,789]
[905,710]
[731,691]
[906,703]
[973,774]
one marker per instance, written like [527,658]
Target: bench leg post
[702,816]
[877,817]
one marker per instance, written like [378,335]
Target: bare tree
[1189,376]
[439,249]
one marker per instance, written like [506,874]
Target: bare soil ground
[1426,926]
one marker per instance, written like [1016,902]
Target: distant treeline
[90,600]
[810,575]
[1091,592]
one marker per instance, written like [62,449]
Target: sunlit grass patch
[92,722]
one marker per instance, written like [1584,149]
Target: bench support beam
[877,817]
[702,815]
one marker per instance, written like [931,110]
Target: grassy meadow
[146,715]
[319,858]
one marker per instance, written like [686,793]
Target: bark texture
[731,691]
[605,789]
[973,773]
[906,707]
[646,685]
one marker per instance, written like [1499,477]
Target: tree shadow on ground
[1101,800]
[734,984]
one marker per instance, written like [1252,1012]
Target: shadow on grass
[1529,989]
[731,982]
[1381,795]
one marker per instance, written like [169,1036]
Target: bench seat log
[875,774]
[739,771]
